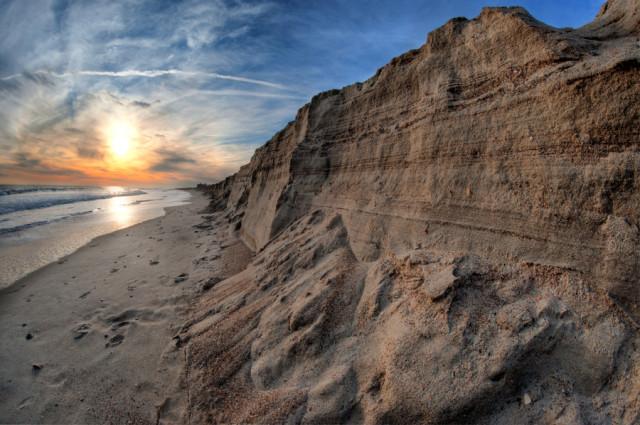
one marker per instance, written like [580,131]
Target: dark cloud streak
[25,163]
[171,161]
[140,104]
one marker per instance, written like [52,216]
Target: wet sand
[90,338]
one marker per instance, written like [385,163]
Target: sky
[170,93]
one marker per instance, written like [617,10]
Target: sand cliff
[454,240]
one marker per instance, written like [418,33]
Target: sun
[121,135]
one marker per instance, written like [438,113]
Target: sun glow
[121,135]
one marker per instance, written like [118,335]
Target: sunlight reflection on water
[52,237]
[120,209]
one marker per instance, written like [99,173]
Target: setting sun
[121,135]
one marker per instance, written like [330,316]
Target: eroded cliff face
[501,136]
[454,240]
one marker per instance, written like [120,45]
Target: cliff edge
[454,240]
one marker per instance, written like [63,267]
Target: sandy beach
[90,338]
[450,238]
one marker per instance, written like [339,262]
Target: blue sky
[200,84]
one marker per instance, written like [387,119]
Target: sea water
[41,224]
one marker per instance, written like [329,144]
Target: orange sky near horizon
[111,142]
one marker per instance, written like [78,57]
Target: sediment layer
[453,240]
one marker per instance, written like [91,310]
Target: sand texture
[454,240]
[90,339]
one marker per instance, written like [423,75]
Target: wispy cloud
[151,73]
[176,69]
[172,72]
[243,93]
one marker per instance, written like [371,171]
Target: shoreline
[194,193]
[90,338]
[17,251]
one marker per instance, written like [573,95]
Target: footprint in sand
[200,260]
[181,277]
[114,341]
[80,331]
[119,325]
[25,403]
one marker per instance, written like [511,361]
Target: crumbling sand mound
[309,333]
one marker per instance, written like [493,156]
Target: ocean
[41,224]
